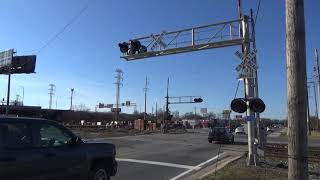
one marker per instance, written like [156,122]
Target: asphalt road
[164,156]
[171,156]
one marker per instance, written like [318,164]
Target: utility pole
[57,102]
[17,99]
[52,89]
[71,98]
[22,94]
[297,90]
[167,101]
[145,89]
[8,91]
[308,113]
[316,103]
[118,83]
[152,110]
[317,80]
[156,112]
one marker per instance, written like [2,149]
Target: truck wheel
[99,172]
[210,141]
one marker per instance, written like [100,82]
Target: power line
[64,28]
[258,8]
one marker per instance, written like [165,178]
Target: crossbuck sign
[248,66]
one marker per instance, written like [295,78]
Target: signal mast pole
[145,89]
[167,102]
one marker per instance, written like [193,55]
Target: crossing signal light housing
[124,47]
[257,105]
[133,47]
[198,100]
[239,105]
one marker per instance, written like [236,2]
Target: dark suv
[43,149]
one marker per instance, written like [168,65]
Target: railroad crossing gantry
[198,38]
[224,34]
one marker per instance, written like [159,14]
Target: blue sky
[86,55]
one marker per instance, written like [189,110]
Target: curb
[204,172]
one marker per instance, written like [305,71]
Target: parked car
[220,134]
[269,129]
[240,130]
[43,149]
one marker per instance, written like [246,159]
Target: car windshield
[167,89]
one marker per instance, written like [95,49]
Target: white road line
[159,163]
[209,160]
[196,167]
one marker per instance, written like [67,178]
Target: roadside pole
[297,90]
[249,93]
[317,81]
[8,91]
[259,125]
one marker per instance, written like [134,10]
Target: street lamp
[22,94]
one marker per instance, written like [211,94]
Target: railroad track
[281,151]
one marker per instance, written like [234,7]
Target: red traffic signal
[239,105]
[257,105]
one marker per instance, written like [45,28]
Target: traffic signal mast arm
[185,99]
[186,40]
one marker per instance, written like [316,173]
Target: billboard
[18,64]
[204,110]
[6,58]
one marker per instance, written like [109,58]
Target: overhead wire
[64,28]
[258,8]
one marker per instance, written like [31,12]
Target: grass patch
[315,134]
[238,170]
[284,132]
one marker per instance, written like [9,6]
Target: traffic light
[257,105]
[124,47]
[239,105]
[198,100]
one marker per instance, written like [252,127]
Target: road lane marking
[159,163]
[209,160]
[199,166]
